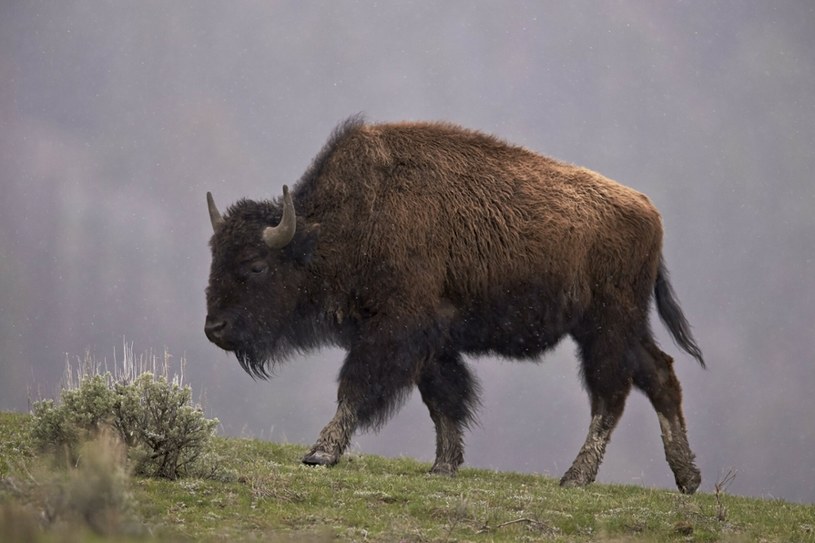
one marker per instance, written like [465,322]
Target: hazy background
[116,118]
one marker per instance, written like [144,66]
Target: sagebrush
[166,435]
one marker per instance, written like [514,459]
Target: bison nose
[214,328]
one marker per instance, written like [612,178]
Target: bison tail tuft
[671,314]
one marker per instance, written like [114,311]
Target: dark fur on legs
[450,393]
[611,363]
[370,391]
[655,376]
[606,373]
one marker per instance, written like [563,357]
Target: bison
[410,245]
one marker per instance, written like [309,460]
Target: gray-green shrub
[165,433]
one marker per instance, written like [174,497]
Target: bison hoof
[575,479]
[320,458]
[443,468]
[691,482]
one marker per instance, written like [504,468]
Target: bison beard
[411,244]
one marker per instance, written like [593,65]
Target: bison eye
[258,267]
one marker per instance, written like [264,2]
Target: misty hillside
[263,492]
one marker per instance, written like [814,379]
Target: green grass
[15,442]
[267,494]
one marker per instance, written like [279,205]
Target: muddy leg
[605,413]
[656,377]
[451,394]
[606,375]
[334,438]
[374,381]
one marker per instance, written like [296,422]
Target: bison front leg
[334,438]
[450,393]
[374,381]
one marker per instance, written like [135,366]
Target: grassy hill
[262,492]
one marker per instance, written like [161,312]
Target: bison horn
[277,237]
[214,214]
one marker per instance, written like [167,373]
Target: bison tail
[671,314]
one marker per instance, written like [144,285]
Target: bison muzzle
[410,245]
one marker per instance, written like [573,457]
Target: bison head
[257,280]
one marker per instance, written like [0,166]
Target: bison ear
[304,245]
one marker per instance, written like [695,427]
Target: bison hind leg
[606,371]
[655,376]
[450,392]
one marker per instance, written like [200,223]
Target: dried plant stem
[719,489]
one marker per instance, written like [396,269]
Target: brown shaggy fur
[419,242]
